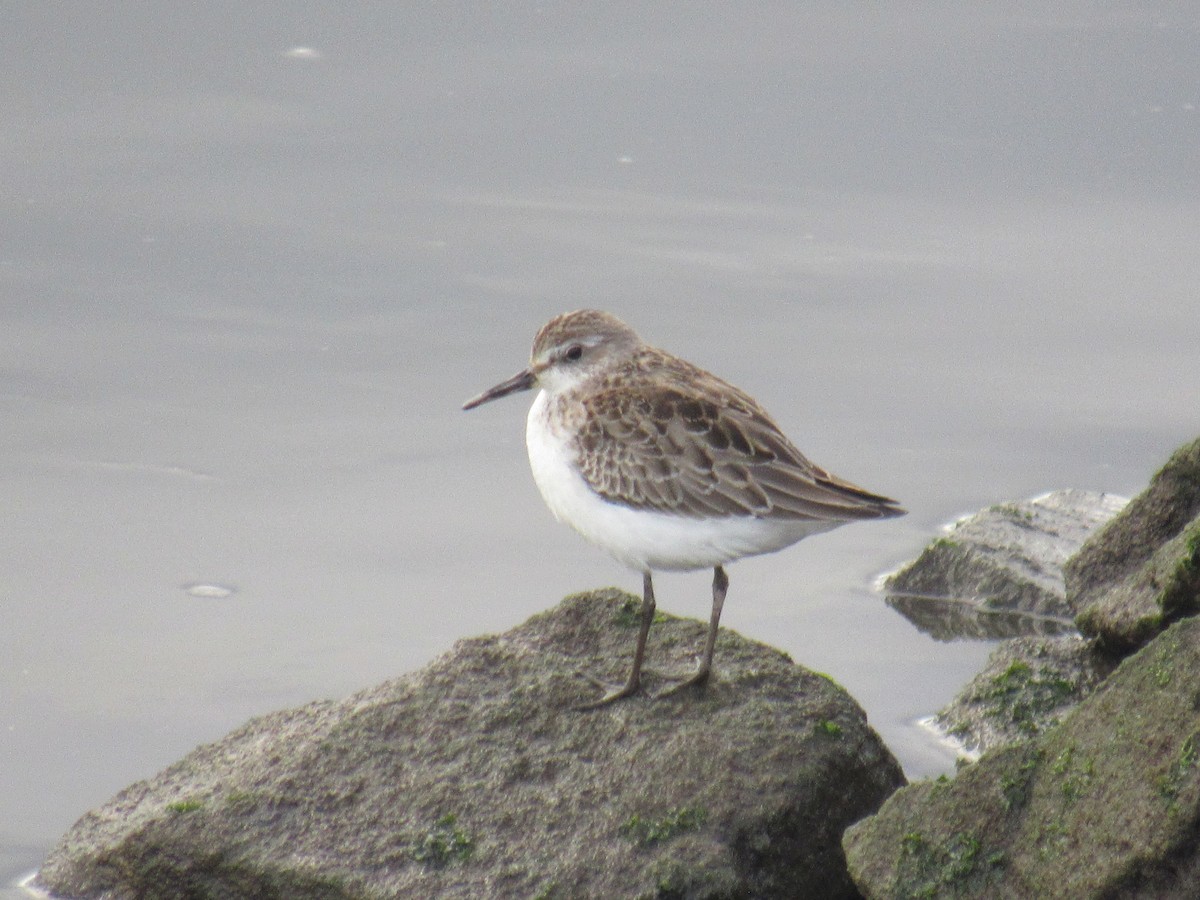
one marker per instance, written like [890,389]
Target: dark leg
[720,587]
[633,682]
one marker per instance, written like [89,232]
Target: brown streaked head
[568,349]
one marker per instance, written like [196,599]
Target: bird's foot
[612,693]
[699,679]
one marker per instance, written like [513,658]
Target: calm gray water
[252,259]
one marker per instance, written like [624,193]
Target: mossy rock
[1105,804]
[479,776]
[1141,572]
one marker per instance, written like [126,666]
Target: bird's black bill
[522,381]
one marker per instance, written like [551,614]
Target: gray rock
[1105,804]
[1142,571]
[1029,683]
[1005,558]
[475,777]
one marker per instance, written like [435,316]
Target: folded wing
[708,453]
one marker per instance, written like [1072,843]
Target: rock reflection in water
[948,619]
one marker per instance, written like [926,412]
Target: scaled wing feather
[707,452]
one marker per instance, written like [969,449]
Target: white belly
[645,539]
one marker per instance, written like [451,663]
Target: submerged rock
[1002,561]
[1106,804]
[1028,684]
[1142,571]
[476,777]
[999,575]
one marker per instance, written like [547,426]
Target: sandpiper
[666,466]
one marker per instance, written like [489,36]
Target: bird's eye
[573,353]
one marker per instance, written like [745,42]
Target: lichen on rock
[477,777]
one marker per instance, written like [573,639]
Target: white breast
[644,539]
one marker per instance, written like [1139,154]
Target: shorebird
[665,466]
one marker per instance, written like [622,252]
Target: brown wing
[689,444]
